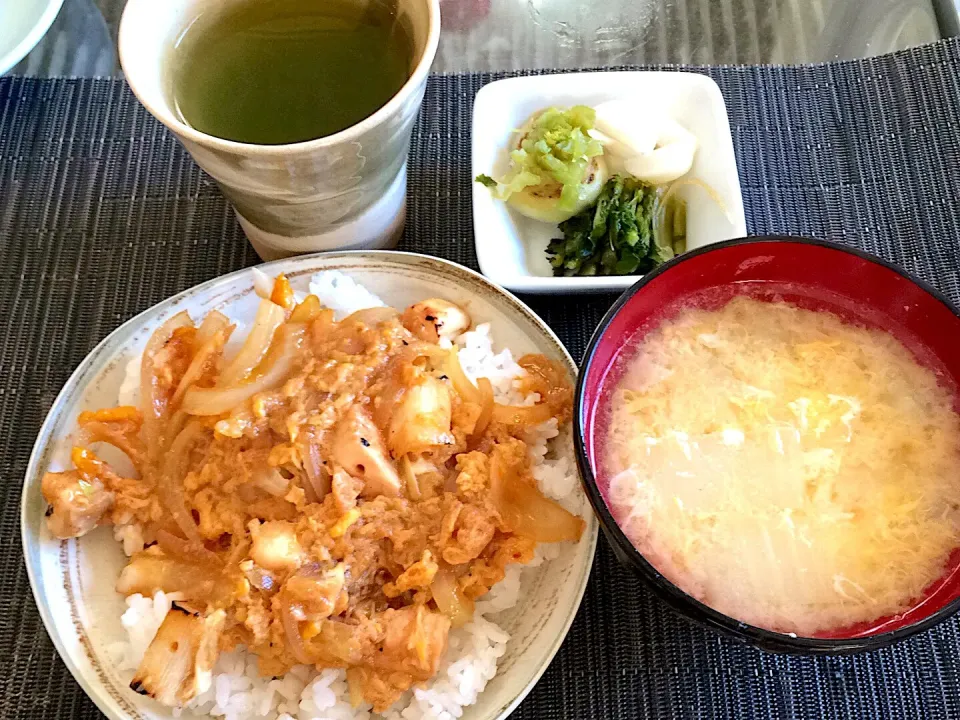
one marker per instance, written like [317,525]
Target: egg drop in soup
[786,468]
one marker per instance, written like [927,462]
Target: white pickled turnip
[651,147]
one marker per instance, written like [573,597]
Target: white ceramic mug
[343,191]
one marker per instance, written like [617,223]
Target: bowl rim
[677,599]
[31,550]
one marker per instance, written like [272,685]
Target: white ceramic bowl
[511,247]
[73,580]
[22,24]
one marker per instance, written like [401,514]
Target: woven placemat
[103,214]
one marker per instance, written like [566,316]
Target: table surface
[511,34]
[103,214]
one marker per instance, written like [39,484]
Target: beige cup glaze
[343,191]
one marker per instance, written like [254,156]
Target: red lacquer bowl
[859,287]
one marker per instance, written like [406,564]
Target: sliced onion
[370,317]
[238,551]
[480,394]
[318,478]
[127,441]
[450,600]
[525,511]
[170,486]
[661,236]
[461,383]
[322,327]
[291,628]
[186,551]
[214,321]
[261,579]
[307,311]
[409,478]
[486,406]
[355,686]
[269,317]
[153,408]
[217,401]
[202,359]
[262,283]
[554,387]
[172,427]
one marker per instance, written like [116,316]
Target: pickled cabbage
[555,147]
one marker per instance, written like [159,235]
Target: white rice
[342,294]
[238,691]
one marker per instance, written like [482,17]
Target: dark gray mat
[102,214]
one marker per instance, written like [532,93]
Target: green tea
[272,72]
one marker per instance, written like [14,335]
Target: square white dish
[511,248]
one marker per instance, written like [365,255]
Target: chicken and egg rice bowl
[350,490]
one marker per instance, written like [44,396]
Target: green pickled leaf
[614,237]
[660,253]
[627,265]
[599,225]
[609,259]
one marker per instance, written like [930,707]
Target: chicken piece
[358,448]
[77,503]
[151,570]
[474,530]
[434,319]
[275,545]
[414,640]
[315,596]
[345,489]
[419,575]
[132,498]
[421,421]
[177,666]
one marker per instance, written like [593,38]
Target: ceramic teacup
[343,191]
